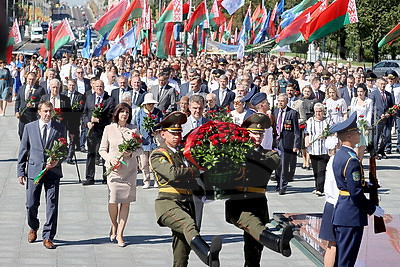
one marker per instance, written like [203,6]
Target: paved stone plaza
[83,223]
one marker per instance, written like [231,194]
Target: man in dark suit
[77,103]
[27,112]
[96,126]
[165,95]
[224,96]
[382,100]
[59,101]
[288,141]
[348,92]
[195,88]
[82,84]
[123,88]
[137,92]
[38,136]
[50,75]
[316,93]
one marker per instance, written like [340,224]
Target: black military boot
[280,244]
[207,254]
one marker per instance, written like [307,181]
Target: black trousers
[383,134]
[318,163]
[74,143]
[93,142]
[285,173]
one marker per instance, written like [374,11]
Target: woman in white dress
[363,106]
[336,108]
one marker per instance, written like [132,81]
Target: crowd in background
[300,97]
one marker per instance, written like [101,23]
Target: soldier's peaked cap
[346,126]
[173,122]
[257,122]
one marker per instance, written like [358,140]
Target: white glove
[379,212]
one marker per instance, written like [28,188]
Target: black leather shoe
[282,191]
[70,161]
[397,151]
[384,156]
[83,150]
[104,182]
[389,152]
[379,157]
[88,182]
[277,189]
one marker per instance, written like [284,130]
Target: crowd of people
[99,102]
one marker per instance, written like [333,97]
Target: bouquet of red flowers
[57,114]
[28,101]
[149,122]
[221,114]
[127,146]
[362,123]
[57,152]
[390,111]
[220,148]
[78,105]
[96,113]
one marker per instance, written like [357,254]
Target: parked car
[380,68]
[45,27]
[37,34]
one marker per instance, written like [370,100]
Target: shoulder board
[352,155]
[160,149]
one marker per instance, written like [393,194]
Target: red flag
[197,17]
[134,11]
[271,26]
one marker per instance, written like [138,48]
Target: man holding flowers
[39,136]
[104,106]
[174,205]
[247,207]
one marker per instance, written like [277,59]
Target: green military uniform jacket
[172,173]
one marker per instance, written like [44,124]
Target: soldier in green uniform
[247,207]
[174,205]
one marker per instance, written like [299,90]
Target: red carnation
[101,105]
[361,116]
[214,143]
[395,107]
[199,143]
[81,102]
[221,135]
[224,141]
[96,106]
[33,97]
[201,136]
[163,112]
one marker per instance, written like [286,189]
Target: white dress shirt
[56,100]
[41,128]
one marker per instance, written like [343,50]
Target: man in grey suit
[40,135]
[165,95]
[196,119]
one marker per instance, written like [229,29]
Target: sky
[74,2]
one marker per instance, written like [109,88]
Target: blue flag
[280,8]
[246,22]
[126,42]
[242,43]
[86,47]
[100,45]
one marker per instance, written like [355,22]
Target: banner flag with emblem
[232,5]
[97,51]
[292,33]
[260,37]
[14,37]
[109,19]
[228,31]
[177,14]
[121,46]
[164,34]
[197,17]
[134,10]
[167,15]
[390,37]
[334,17]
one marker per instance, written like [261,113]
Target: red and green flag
[164,34]
[106,23]
[197,17]
[14,37]
[216,17]
[334,17]
[271,24]
[292,33]
[390,37]
[169,14]
[58,37]
[134,10]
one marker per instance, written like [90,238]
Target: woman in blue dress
[148,136]
[5,87]
[19,65]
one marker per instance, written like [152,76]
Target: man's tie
[317,95]
[134,98]
[27,92]
[98,100]
[44,136]
[71,97]
[198,123]
[53,101]
[383,96]
[278,126]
